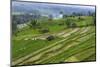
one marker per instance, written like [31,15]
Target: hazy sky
[52,4]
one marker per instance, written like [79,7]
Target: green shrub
[49,38]
[44,30]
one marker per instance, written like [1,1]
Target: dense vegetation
[47,40]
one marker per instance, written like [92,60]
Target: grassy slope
[23,47]
[83,45]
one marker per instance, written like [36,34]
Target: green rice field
[70,44]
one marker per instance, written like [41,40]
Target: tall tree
[33,23]
[50,17]
[14,28]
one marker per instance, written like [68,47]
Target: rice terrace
[47,33]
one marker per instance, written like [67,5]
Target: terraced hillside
[47,33]
[70,45]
